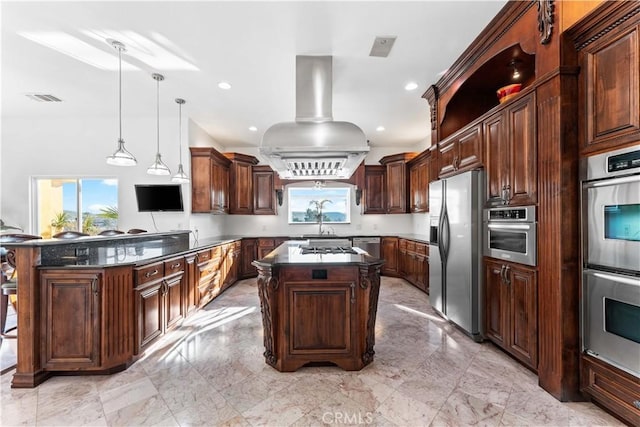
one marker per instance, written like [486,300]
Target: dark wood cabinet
[71,319]
[249,254]
[419,175]
[268,244]
[375,191]
[84,321]
[413,263]
[460,152]
[159,299]
[611,387]
[510,159]
[231,263]
[209,181]
[389,252]
[264,192]
[511,309]
[191,295]
[610,80]
[241,183]
[208,271]
[397,182]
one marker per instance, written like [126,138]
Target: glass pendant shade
[180,176]
[121,157]
[158,167]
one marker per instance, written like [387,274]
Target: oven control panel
[624,161]
[519,214]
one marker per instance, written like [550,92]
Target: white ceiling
[253,46]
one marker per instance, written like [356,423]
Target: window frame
[347,196]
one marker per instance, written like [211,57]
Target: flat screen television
[159,198]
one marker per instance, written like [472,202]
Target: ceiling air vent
[382,46]
[43,97]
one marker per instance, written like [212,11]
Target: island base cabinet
[82,322]
[71,318]
[323,314]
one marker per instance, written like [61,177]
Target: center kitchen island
[318,305]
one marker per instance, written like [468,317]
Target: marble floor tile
[210,371]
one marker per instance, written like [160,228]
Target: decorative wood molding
[545,20]
[372,275]
[431,95]
[267,287]
[618,22]
[607,17]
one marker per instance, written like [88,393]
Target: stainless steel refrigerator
[455,250]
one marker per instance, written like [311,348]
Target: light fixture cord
[180,129]
[120,93]
[158,114]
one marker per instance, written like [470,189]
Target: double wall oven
[611,258]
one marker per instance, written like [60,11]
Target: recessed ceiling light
[411,86]
[253,128]
[224,85]
[380,128]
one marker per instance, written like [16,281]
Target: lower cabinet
[249,254]
[413,263]
[613,388]
[389,252]
[159,297]
[511,309]
[82,321]
[207,274]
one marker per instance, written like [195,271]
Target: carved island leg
[267,287]
[370,278]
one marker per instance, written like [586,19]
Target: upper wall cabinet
[419,174]
[461,152]
[609,58]
[241,179]
[510,160]
[375,190]
[397,184]
[264,200]
[209,181]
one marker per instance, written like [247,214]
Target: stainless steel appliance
[510,234]
[611,258]
[369,244]
[455,253]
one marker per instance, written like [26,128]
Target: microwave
[510,234]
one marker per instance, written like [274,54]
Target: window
[306,204]
[89,205]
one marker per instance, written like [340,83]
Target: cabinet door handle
[353,292]
[176,265]
[164,288]
[502,273]
[506,275]
[94,286]
[151,273]
[636,403]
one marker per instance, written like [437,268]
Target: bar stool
[136,231]
[69,235]
[110,232]
[8,277]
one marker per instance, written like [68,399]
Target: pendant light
[121,157]
[180,176]
[158,167]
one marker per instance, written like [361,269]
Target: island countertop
[290,253]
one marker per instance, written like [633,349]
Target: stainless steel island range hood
[314,146]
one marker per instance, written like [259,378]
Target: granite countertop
[289,253]
[110,251]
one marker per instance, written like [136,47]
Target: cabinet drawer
[614,389]
[204,255]
[266,243]
[411,246]
[421,248]
[216,252]
[149,273]
[173,266]
[402,244]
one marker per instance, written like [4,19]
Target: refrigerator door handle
[445,235]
